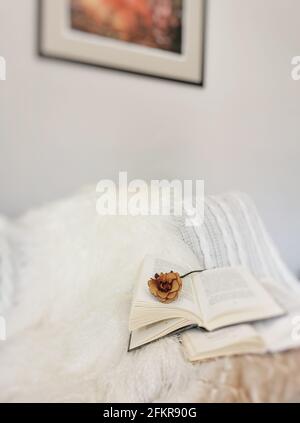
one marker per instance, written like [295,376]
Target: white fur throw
[67,333]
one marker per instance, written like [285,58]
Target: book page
[282,333]
[155,331]
[288,299]
[241,338]
[234,293]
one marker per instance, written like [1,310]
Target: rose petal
[175,286]
[152,282]
[163,278]
[179,281]
[153,287]
[162,294]
[172,295]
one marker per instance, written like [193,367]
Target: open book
[211,300]
[274,335]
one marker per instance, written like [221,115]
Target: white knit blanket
[233,234]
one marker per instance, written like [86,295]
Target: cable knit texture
[233,234]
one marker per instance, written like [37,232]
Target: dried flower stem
[190,273]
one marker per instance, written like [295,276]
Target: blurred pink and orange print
[150,23]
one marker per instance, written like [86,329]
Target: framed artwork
[158,38]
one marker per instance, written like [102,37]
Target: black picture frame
[59,58]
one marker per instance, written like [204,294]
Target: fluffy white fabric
[67,334]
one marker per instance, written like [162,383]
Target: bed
[66,280]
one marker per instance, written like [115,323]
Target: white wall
[64,125]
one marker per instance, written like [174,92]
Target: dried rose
[166,286]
